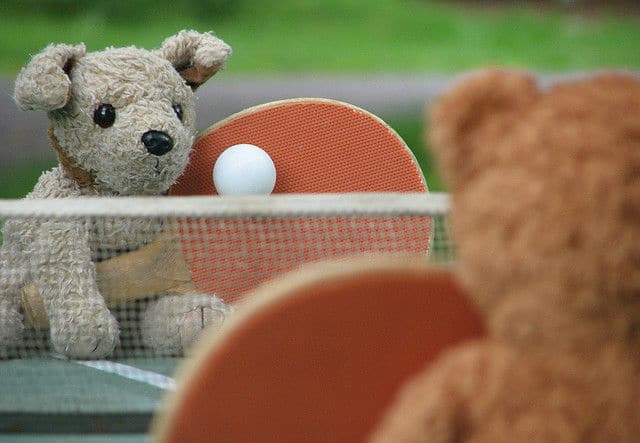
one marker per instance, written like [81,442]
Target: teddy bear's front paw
[11,327]
[91,336]
[172,323]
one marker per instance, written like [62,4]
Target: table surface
[52,399]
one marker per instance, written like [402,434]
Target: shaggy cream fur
[59,255]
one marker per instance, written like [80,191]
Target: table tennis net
[62,257]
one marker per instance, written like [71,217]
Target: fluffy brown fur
[546,215]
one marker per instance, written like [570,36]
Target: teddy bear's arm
[437,405]
[62,269]
[426,411]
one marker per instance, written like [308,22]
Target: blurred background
[389,56]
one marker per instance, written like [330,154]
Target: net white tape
[136,279]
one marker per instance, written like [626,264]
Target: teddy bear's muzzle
[157,142]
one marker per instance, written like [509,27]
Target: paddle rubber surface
[317,357]
[317,146]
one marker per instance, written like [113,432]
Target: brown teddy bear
[545,191]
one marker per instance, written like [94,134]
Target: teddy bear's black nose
[157,143]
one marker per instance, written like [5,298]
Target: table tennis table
[52,399]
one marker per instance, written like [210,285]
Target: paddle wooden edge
[269,296]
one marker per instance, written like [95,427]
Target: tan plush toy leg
[11,323]
[172,323]
[81,325]
[12,275]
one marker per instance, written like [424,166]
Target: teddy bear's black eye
[178,110]
[104,115]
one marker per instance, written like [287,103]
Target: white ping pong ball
[244,169]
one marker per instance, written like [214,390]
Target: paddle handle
[155,269]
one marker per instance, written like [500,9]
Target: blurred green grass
[412,130]
[334,35]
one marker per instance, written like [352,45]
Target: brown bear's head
[545,190]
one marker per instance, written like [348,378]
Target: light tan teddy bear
[545,188]
[122,123]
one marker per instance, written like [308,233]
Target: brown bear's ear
[44,84]
[196,56]
[467,121]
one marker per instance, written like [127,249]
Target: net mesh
[63,259]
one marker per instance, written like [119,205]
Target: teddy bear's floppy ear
[466,122]
[44,84]
[196,56]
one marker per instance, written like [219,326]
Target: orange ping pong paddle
[318,355]
[317,146]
